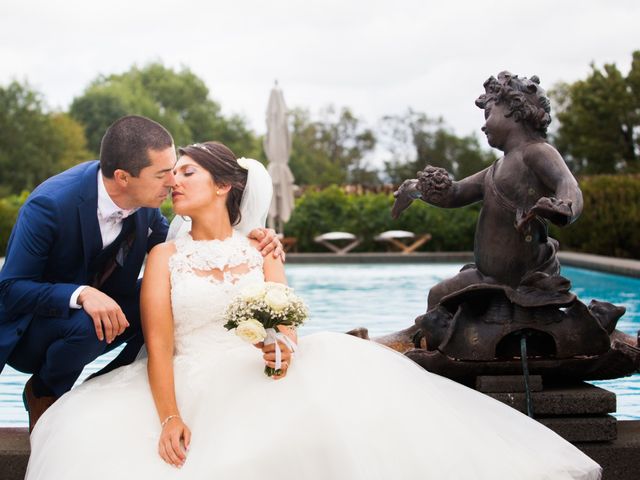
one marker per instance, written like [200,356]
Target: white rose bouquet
[258,310]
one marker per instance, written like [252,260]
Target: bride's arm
[157,326]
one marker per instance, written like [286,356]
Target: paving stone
[507,383]
[14,453]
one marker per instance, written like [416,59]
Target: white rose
[254,291]
[277,299]
[251,331]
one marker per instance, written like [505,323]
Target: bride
[343,408]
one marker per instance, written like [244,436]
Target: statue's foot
[401,341]
[606,313]
[434,326]
[359,332]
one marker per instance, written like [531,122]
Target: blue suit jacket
[52,243]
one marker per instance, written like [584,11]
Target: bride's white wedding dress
[347,409]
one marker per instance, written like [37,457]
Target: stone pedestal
[580,413]
[620,458]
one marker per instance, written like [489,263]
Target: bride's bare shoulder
[161,253]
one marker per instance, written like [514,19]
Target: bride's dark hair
[222,165]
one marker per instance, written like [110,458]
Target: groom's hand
[108,318]
[269,242]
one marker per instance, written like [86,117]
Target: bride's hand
[270,359]
[174,442]
[269,353]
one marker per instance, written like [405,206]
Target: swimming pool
[386,298]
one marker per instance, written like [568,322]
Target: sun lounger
[402,240]
[288,243]
[326,239]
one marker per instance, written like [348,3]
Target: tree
[415,141]
[34,144]
[330,150]
[70,146]
[179,100]
[600,120]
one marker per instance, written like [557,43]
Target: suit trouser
[56,350]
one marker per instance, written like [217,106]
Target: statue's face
[497,127]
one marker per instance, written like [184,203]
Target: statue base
[578,412]
[622,359]
[620,458]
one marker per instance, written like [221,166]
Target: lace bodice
[205,276]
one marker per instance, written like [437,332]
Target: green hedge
[9,207]
[369,214]
[610,224]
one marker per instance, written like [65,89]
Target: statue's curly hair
[523,99]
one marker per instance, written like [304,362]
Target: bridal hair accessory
[258,310]
[244,162]
[200,146]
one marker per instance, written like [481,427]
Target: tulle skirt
[348,409]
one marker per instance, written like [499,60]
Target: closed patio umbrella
[277,146]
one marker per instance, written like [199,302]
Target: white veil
[254,205]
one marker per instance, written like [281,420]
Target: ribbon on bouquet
[273,336]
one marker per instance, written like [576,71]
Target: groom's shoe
[35,406]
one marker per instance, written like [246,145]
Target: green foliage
[69,142]
[179,100]
[96,109]
[167,209]
[415,141]
[330,150]
[34,144]
[9,207]
[367,215]
[610,222]
[600,120]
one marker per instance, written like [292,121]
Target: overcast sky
[376,57]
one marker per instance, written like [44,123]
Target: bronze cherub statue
[475,320]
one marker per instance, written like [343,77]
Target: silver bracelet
[166,420]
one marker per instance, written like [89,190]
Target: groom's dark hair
[127,142]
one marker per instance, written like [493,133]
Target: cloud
[377,57]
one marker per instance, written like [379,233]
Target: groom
[69,288]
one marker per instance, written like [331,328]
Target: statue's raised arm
[435,186]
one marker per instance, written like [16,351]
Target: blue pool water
[386,298]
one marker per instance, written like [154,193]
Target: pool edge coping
[620,266]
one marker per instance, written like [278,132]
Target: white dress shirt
[110,217]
